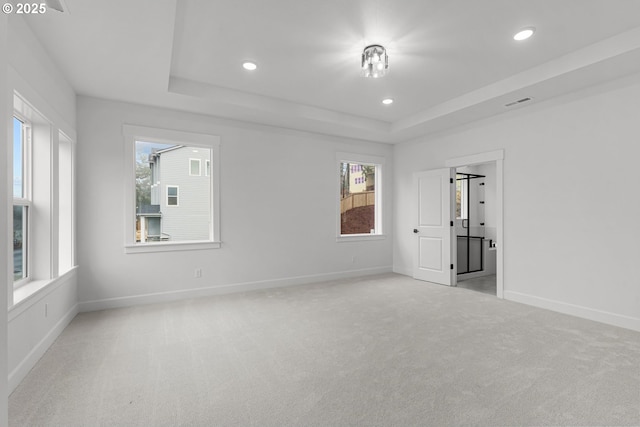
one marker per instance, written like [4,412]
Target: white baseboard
[622,321]
[159,297]
[23,368]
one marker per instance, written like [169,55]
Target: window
[20,242]
[43,211]
[166,208]
[194,166]
[21,200]
[461,196]
[360,210]
[172,195]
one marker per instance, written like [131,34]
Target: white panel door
[433,231]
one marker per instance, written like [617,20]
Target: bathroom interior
[476,227]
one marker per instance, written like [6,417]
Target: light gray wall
[5,276]
[279,192]
[35,76]
[46,83]
[489,171]
[570,172]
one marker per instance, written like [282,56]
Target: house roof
[164,150]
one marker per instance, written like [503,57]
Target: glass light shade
[375,61]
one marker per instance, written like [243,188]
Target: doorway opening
[491,165]
[475,228]
[435,254]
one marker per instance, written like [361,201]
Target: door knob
[415,230]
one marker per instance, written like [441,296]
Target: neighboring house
[358,191]
[357,179]
[180,194]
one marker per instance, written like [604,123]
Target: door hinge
[452,266]
[450,180]
[451,223]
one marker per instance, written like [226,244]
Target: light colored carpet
[383,350]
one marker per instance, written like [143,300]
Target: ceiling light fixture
[387,101]
[375,61]
[250,66]
[524,34]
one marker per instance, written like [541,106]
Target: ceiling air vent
[519,101]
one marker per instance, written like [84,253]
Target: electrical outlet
[198,273]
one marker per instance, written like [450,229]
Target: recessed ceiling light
[387,101]
[524,34]
[248,65]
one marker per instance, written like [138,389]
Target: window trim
[46,127]
[132,133]
[66,200]
[199,167]
[378,162]
[177,196]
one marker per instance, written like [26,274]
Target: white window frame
[133,133]
[43,190]
[177,196]
[66,202]
[199,167]
[207,167]
[25,200]
[364,159]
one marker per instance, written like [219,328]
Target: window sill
[170,247]
[26,295]
[360,237]
[25,291]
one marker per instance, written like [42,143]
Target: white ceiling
[450,61]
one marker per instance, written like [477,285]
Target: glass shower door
[471,217]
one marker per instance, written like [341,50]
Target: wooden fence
[356,200]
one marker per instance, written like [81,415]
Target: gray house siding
[155,183]
[191,218]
